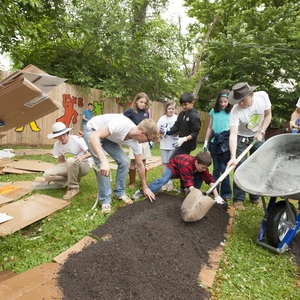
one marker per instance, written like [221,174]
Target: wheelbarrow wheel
[279,222]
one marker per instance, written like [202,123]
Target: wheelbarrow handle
[230,168]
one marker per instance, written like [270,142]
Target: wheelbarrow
[272,171]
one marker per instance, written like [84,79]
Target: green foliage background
[127,46]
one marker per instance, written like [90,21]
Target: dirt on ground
[145,252]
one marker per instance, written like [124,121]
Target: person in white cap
[249,119]
[73,159]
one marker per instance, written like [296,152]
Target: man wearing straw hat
[249,119]
[73,160]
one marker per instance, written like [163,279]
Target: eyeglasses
[151,144]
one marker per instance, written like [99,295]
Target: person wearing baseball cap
[249,119]
[73,160]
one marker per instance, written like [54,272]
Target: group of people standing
[238,117]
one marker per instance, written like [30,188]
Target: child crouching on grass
[192,170]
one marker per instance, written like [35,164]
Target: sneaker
[165,187]
[70,194]
[137,195]
[170,187]
[239,205]
[124,198]
[106,208]
[257,202]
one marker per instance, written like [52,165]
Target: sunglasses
[151,144]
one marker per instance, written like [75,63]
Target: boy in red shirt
[192,170]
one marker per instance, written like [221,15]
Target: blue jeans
[219,169]
[158,183]
[117,153]
[239,194]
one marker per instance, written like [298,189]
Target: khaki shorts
[146,153]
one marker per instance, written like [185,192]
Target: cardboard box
[23,97]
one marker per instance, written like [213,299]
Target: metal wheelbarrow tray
[273,171]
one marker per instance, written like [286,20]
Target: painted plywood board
[28,211]
[15,190]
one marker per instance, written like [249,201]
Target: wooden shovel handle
[230,168]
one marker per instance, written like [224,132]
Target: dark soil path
[145,252]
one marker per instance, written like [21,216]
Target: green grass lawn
[246,271]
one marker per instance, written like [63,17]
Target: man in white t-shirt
[107,133]
[73,160]
[249,119]
[295,115]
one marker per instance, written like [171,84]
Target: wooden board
[4,200]
[31,165]
[35,284]
[87,240]
[28,211]
[15,190]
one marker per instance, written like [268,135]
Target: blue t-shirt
[88,114]
[136,118]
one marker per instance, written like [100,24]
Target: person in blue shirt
[87,115]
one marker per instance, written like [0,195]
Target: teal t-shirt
[220,121]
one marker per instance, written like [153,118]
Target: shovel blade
[195,206]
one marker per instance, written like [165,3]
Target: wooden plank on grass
[28,211]
[37,283]
[87,240]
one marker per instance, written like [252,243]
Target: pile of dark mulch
[295,249]
[145,252]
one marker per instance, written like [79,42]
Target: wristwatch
[263,132]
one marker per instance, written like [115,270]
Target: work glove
[221,201]
[205,146]
[164,130]
[179,142]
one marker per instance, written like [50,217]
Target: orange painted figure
[70,113]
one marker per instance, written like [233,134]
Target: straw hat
[58,129]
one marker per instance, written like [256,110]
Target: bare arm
[141,171]
[296,114]
[95,137]
[80,158]
[265,124]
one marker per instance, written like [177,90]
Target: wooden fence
[73,103]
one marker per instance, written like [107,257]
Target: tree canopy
[125,46]
[253,41]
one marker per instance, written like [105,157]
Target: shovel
[197,204]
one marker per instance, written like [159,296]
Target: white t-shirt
[249,119]
[76,146]
[298,103]
[167,141]
[118,126]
